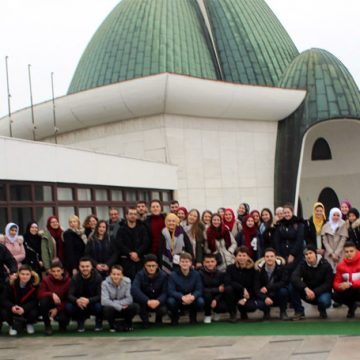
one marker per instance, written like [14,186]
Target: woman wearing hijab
[173,242]
[334,235]
[220,241]
[52,243]
[345,206]
[32,245]
[14,242]
[195,231]
[314,226]
[353,226]
[231,222]
[243,210]
[74,245]
[250,237]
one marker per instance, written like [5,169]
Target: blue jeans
[295,299]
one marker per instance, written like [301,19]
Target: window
[20,192]
[101,195]
[321,150]
[65,194]
[84,195]
[24,201]
[329,199]
[116,195]
[43,193]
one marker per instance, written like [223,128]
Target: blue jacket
[145,288]
[180,285]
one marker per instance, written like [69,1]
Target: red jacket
[348,270]
[61,287]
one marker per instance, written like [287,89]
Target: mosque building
[205,101]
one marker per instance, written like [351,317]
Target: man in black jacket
[214,288]
[19,305]
[85,295]
[149,290]
[132,243]
[270,284]
[312,279]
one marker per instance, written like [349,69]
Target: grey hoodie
[116,297]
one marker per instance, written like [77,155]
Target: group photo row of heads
[220,265]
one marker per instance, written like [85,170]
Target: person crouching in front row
[149,290]
[53,296]
[84,295]
[117,300]
[271,280]
[185,290]
[19,301]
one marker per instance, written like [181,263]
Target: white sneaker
[207,320]
[12,332]
[216,317]
[30,329]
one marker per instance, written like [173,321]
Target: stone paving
[174,348]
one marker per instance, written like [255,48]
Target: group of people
[176,263]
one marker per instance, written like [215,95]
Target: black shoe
[299,316]
[284,316]
[266,314]
[323,314]
[233,318]
[174,321]
[48,330]
[244,316]
[351,312]
[98,326]
[145,324]
[80,327]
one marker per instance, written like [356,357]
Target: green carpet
[250,328]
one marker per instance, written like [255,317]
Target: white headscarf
[12,239]
[335,224]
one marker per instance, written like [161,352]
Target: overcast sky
[51,35]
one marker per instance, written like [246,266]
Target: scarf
[318,222]
[248,234]
[213,233]
[57,236]
[12,239]
[33,241]
[334,225]
[230,224]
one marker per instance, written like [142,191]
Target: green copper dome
[331,94]
[242,42]
[253,46]
[140,38]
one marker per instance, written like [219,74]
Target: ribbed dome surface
[144,37]
[253,46]
[331,90]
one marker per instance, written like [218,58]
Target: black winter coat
[241,278]
[89,288]
[289,240]
[74,250]
[6,259]
[211,282]
[279,279]
[145,288]
[319,279]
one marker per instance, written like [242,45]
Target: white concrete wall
[342,173]
[36,161]
[220,162]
